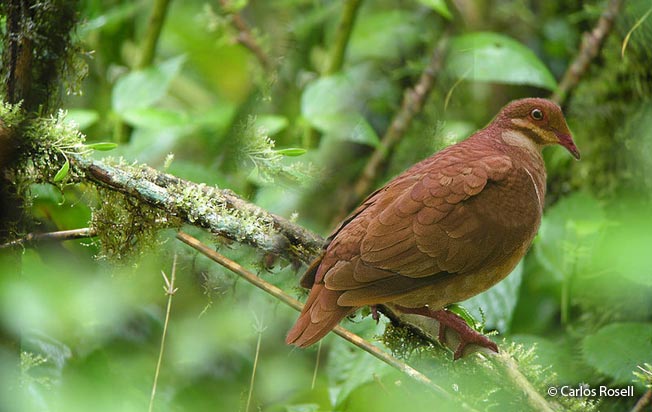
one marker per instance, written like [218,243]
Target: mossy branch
[219,211]
[591,45]
[36,50]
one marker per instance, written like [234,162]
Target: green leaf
[385,35]
[292,151]
[82,118]
[272,124]
[569,233]
[624,250]
[354,368]
[46,193]
[329,104]
[63,172]
[102,146]
[497,303]
[327,96]
[347,126]
[439,6]
[142,88]
[114,18]
[616,349]
[154,118]
[493,57]
[463,313]
[306,407]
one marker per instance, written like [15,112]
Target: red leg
[374,313]
[447,320]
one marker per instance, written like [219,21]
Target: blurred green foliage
[578,308]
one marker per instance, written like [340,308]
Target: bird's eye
[536,114]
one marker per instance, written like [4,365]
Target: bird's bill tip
[566,140]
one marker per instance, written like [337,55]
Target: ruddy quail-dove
[446,229]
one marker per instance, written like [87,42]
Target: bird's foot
[374,313]
[449,320]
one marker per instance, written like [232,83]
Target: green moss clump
[126,228]
[403,341]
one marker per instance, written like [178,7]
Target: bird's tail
[318,317]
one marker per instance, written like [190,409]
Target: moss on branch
[219,211]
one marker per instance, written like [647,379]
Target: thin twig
[349,14]
[643,402]
[413,100]
[170,290]
[295,304]
[58,236]
[591,45]
[314,373]
[255,367]
[247,39]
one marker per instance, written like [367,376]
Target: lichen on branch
[219,211]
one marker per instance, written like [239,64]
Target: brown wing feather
[320,314]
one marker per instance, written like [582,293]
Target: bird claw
[449,320]
[374,313]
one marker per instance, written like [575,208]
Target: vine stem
[154,27]
[342,36]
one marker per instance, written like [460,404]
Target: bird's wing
[443,223]
[399,184]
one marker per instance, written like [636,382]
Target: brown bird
[446,229]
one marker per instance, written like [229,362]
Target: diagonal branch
[298,306]
[591,45]
[414,99]
[643,402]
[247,39]
[58,236]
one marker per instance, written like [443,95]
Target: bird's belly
[459,287]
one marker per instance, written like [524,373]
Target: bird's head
[539,119]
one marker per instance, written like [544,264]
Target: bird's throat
[521,141]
